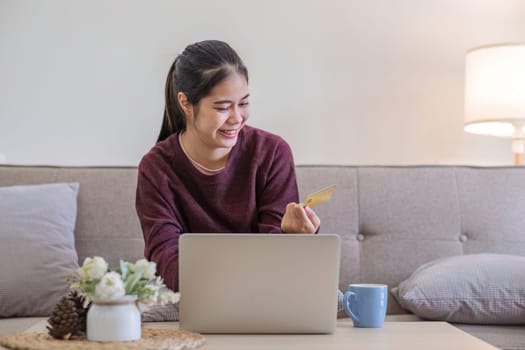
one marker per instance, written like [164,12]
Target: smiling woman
[209,171]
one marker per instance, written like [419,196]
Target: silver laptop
[258,283]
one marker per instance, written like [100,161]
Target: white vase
[114,320]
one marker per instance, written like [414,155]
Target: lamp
[495,93]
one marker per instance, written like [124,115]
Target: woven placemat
[162,339]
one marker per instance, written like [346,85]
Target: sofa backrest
[107,224]
[391,219]
[394,219]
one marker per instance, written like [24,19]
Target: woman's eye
[221,109]
[244,104]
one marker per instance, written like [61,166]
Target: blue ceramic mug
[366,304]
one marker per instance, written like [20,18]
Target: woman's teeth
[229,132]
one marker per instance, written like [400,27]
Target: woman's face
[218,117]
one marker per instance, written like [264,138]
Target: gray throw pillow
[476,288]
[37,246]
[161,313]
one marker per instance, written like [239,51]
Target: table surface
[426,335]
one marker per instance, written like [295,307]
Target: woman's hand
[299,219]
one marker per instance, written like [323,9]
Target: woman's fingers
[314,219]
[299,219]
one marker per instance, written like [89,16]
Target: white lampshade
[495,91]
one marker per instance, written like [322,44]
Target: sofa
[393,221]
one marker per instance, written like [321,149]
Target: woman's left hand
[299,219]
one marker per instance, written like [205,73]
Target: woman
[209,171]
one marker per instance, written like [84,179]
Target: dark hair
[195,72]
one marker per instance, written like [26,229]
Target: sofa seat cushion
[14,325]
[502,337]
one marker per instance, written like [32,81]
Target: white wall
[344,81]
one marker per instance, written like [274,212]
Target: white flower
[153,298]
[93,268]
[149,268]
[110,287]
[169,298]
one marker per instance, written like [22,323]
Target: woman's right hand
[299,219]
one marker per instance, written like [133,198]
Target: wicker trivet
[162,339]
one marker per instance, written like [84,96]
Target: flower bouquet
[104,304]
[96,282]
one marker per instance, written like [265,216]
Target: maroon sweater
[249,195]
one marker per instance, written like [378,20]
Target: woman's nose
[235,115]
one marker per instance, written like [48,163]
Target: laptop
[258,283]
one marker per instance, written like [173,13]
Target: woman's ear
[186,106]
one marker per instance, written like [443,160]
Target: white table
[394,335]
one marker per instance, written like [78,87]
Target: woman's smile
[229,133]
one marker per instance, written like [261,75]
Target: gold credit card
[319,197]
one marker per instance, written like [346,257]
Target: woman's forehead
[234,87]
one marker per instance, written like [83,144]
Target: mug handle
[346,304]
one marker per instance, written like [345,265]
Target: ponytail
[173,120]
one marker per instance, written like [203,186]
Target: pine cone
[68,318]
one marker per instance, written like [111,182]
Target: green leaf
[88,287]
[123,270]
[132,280]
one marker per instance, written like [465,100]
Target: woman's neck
[209,158]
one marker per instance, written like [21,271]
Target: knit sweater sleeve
[280,188]
[160,226]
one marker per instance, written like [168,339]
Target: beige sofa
[391,220]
